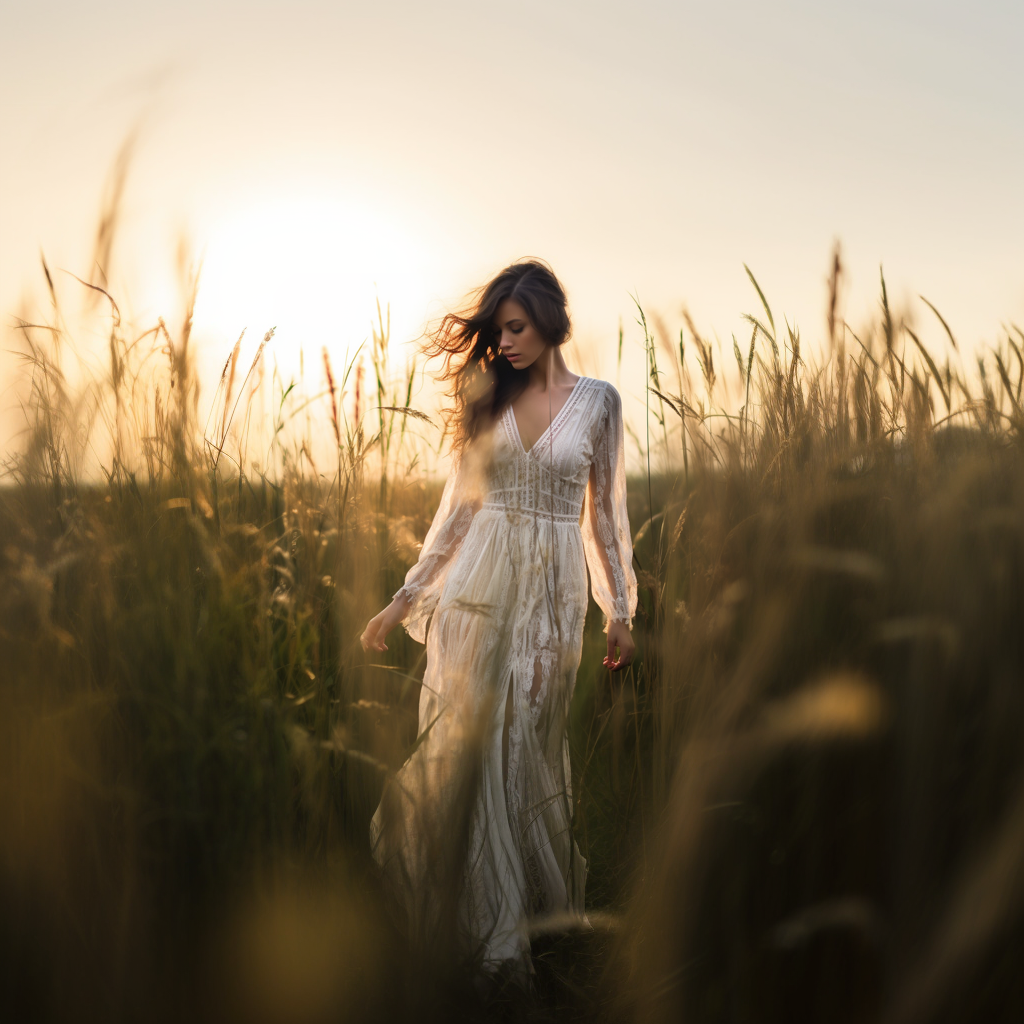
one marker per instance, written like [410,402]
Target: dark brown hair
[484,382]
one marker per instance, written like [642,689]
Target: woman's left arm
[606,535]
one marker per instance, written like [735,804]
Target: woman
[481,813]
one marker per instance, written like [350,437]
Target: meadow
[804,802]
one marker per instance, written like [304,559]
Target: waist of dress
[534,513]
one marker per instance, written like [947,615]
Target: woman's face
[518,340]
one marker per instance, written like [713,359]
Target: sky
[319,155]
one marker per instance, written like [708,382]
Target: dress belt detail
[495,506]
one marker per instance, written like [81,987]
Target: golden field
[804,802]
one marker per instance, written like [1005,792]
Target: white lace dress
[478,820]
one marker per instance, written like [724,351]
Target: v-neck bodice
[550,478]
[511,414]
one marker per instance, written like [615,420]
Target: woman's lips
[511,357]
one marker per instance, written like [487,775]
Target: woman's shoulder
[604,390]
[597,384]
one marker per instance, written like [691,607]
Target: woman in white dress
[476,828]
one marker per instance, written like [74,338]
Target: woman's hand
[382,623]
[620,637]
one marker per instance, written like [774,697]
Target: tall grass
[804,801]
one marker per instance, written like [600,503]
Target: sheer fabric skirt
[475,830]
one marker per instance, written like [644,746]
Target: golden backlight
[314,268]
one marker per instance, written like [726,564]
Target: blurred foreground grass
[805,802]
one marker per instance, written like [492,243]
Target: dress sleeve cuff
[627,621]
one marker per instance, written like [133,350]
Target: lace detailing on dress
[502,579]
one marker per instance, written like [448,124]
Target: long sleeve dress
[480,815]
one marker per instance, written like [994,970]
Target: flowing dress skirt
[476,827]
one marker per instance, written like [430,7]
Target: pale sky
[315,151]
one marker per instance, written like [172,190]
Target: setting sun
[314,268]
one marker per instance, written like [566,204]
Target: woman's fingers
[625,657]
[373,636]
[625,647]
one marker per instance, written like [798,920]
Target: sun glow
[314,269]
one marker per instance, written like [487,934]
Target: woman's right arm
[416,599]
[383,622]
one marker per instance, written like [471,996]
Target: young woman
[481,813]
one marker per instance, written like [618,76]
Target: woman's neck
[550,370]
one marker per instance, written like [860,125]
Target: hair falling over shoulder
[482,381]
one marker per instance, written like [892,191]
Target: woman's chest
[532,413]
[562,452]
